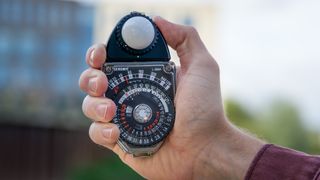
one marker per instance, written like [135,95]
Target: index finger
[96,55]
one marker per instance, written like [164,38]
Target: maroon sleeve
[274,162]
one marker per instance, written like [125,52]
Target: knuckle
[212,64]
[216,67]
[100,80]
[192,31]
[102,84]
[102,77]
[82,79]
[116,133]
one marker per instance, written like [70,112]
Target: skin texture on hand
[203,144]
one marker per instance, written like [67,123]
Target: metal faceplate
[144,95]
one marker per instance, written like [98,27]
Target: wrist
[227,155]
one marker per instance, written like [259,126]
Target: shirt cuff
[275,162]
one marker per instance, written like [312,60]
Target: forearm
[228,155]
[275,162]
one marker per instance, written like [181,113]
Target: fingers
[184,39]
[94,82]
[96,55]
[105,134]
[98,108]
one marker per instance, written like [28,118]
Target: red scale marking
[116,89]
[155,122]
[122,112]
[126,79]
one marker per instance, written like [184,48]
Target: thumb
[184,39]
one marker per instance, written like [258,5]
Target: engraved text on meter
[145,111]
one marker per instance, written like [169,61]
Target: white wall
[271,48]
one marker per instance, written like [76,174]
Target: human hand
[202,144]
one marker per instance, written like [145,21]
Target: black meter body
[142,83]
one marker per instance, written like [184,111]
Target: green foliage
[280,123]
[242,117]
[109,168]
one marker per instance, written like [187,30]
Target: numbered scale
[141,83]
[145,111]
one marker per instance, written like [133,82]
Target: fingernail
[107,133]
[92,56]
[102,110]
[92,84]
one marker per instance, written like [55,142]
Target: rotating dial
[142,113]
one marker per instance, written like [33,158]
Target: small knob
[138,32]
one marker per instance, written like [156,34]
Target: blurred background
[268,52]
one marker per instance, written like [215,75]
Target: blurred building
[42,49]
[199,14]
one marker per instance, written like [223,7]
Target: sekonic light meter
[141,83]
